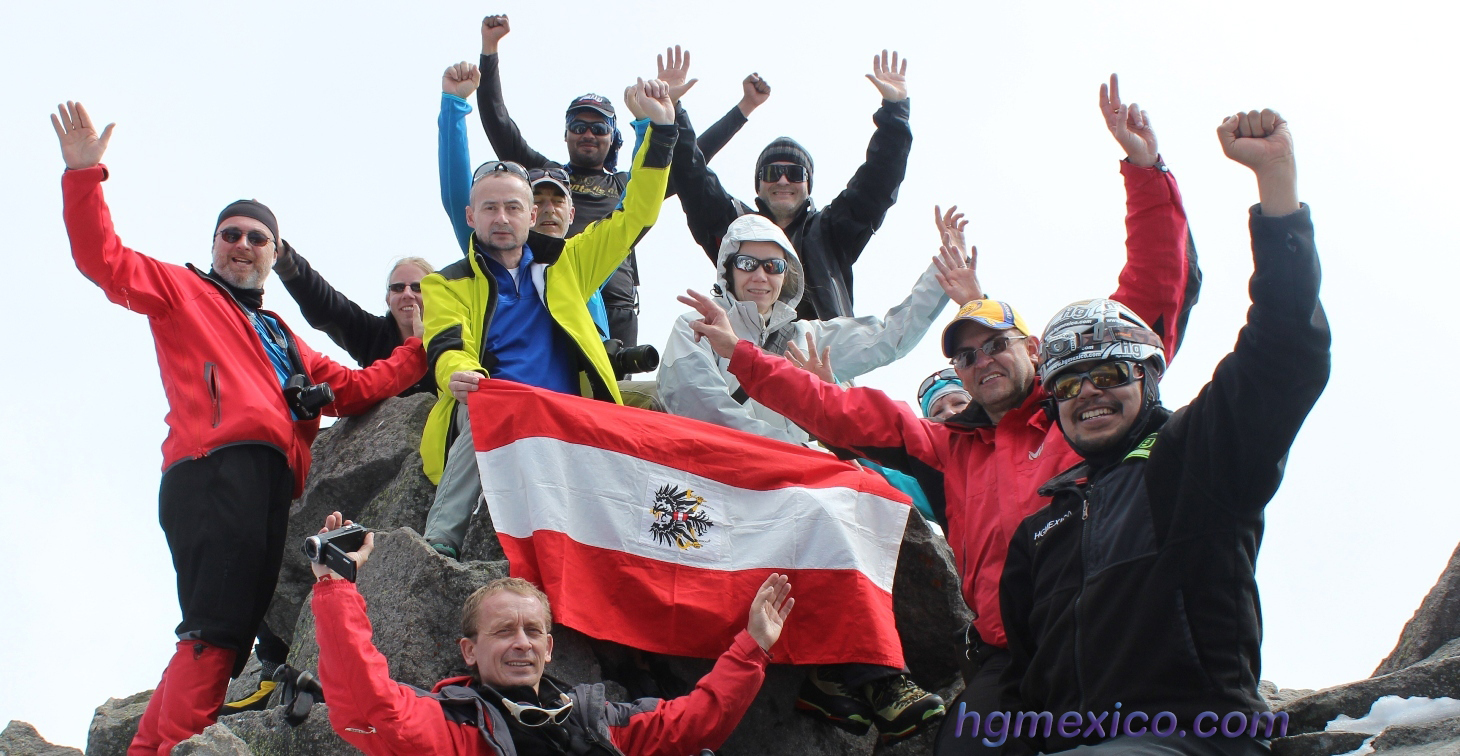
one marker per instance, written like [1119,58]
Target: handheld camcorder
[330,549]
[635,359]
[305,399]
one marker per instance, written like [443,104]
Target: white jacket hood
[752,227]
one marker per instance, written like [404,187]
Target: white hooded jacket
[695,382]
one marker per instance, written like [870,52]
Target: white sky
[328,115]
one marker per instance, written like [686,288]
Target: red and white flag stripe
[655,531]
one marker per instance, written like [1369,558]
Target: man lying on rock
[506,706]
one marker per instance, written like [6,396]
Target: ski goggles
[599,128]
[232,234]
[969,355]
[793,173]
[1106,375]
[748,264]
[504,166]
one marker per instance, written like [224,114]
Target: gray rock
[268,734]
[928,604]
[1278,697]
[1318,744]
[1433,678]
[481,542]
[217,740]
[404,502]
[114,724]
[355,460]
[21,739]
[1396,737]
[1435,623]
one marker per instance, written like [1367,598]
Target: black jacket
[367,337]
[1136,585]
[829,240]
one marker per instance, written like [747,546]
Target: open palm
[81,147]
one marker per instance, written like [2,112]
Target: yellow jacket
[459,300]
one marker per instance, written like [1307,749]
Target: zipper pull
[1086,514]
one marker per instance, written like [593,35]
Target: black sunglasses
[793,173]
[968,355]
[599,128]
[946,374]
[552,173]
[493,166]
[233,234]
[400,287]
[1107,375]
[748,264]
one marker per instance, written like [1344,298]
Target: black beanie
[250,209]
[785,149]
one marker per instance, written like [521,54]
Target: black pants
[980,694]
[225,518]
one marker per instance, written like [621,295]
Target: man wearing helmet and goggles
[1135,587]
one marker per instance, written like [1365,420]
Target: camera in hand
[331,549]
[635,359]
[306,399]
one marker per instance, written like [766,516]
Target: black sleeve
[708,208]
[1232,441]
[858,211]
[502,132]
[719,134]
[326,309]
[1016,604]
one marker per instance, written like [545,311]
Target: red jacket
[385,718]
[221,387]
[992,473]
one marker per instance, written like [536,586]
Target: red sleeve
[1160,280]
[129,278]
[357,390]
[860,419]
[367,708]
[705,717]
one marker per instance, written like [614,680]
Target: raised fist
[494,28]
[461,80]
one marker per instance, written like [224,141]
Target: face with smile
[241,264]
[588,149]
[758,286]
[782,196]
[512,644]
[409,274]
[1096,419]
[554,210]
[501,211]
[1001,382]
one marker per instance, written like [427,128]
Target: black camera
[330,549]
[306,399]
[635,359]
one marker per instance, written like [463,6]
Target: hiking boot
[445,550]
[829,699]
[900,708]
[258,700]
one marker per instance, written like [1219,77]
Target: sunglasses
[1108,375]
[748,264]
[793,173]
[946,374]
[535,716]
[493,166]
[599,128]
[557,174]
[968,355]
[397,288]
[231,235]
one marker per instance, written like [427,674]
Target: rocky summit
[368,468]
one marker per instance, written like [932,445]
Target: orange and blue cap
[989,313]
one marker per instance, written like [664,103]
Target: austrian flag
[655,531]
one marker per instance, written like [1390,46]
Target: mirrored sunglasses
[1107,375]
[748,264]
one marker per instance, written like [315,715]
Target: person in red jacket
[993,456]
[507,706]
[244,397]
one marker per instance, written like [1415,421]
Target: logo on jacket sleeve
[1048,526]
[680,518]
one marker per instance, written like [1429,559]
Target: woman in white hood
[759,283]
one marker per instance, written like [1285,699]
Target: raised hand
[334,521]
[461,80]
[957,275]
[889,79]
[810,360]
[950,229]
[652,99]
[1261,141]
[1129,124]
[675,71]
[756,92]
[80,146]
[769,609]
[494,28]
[714,323]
